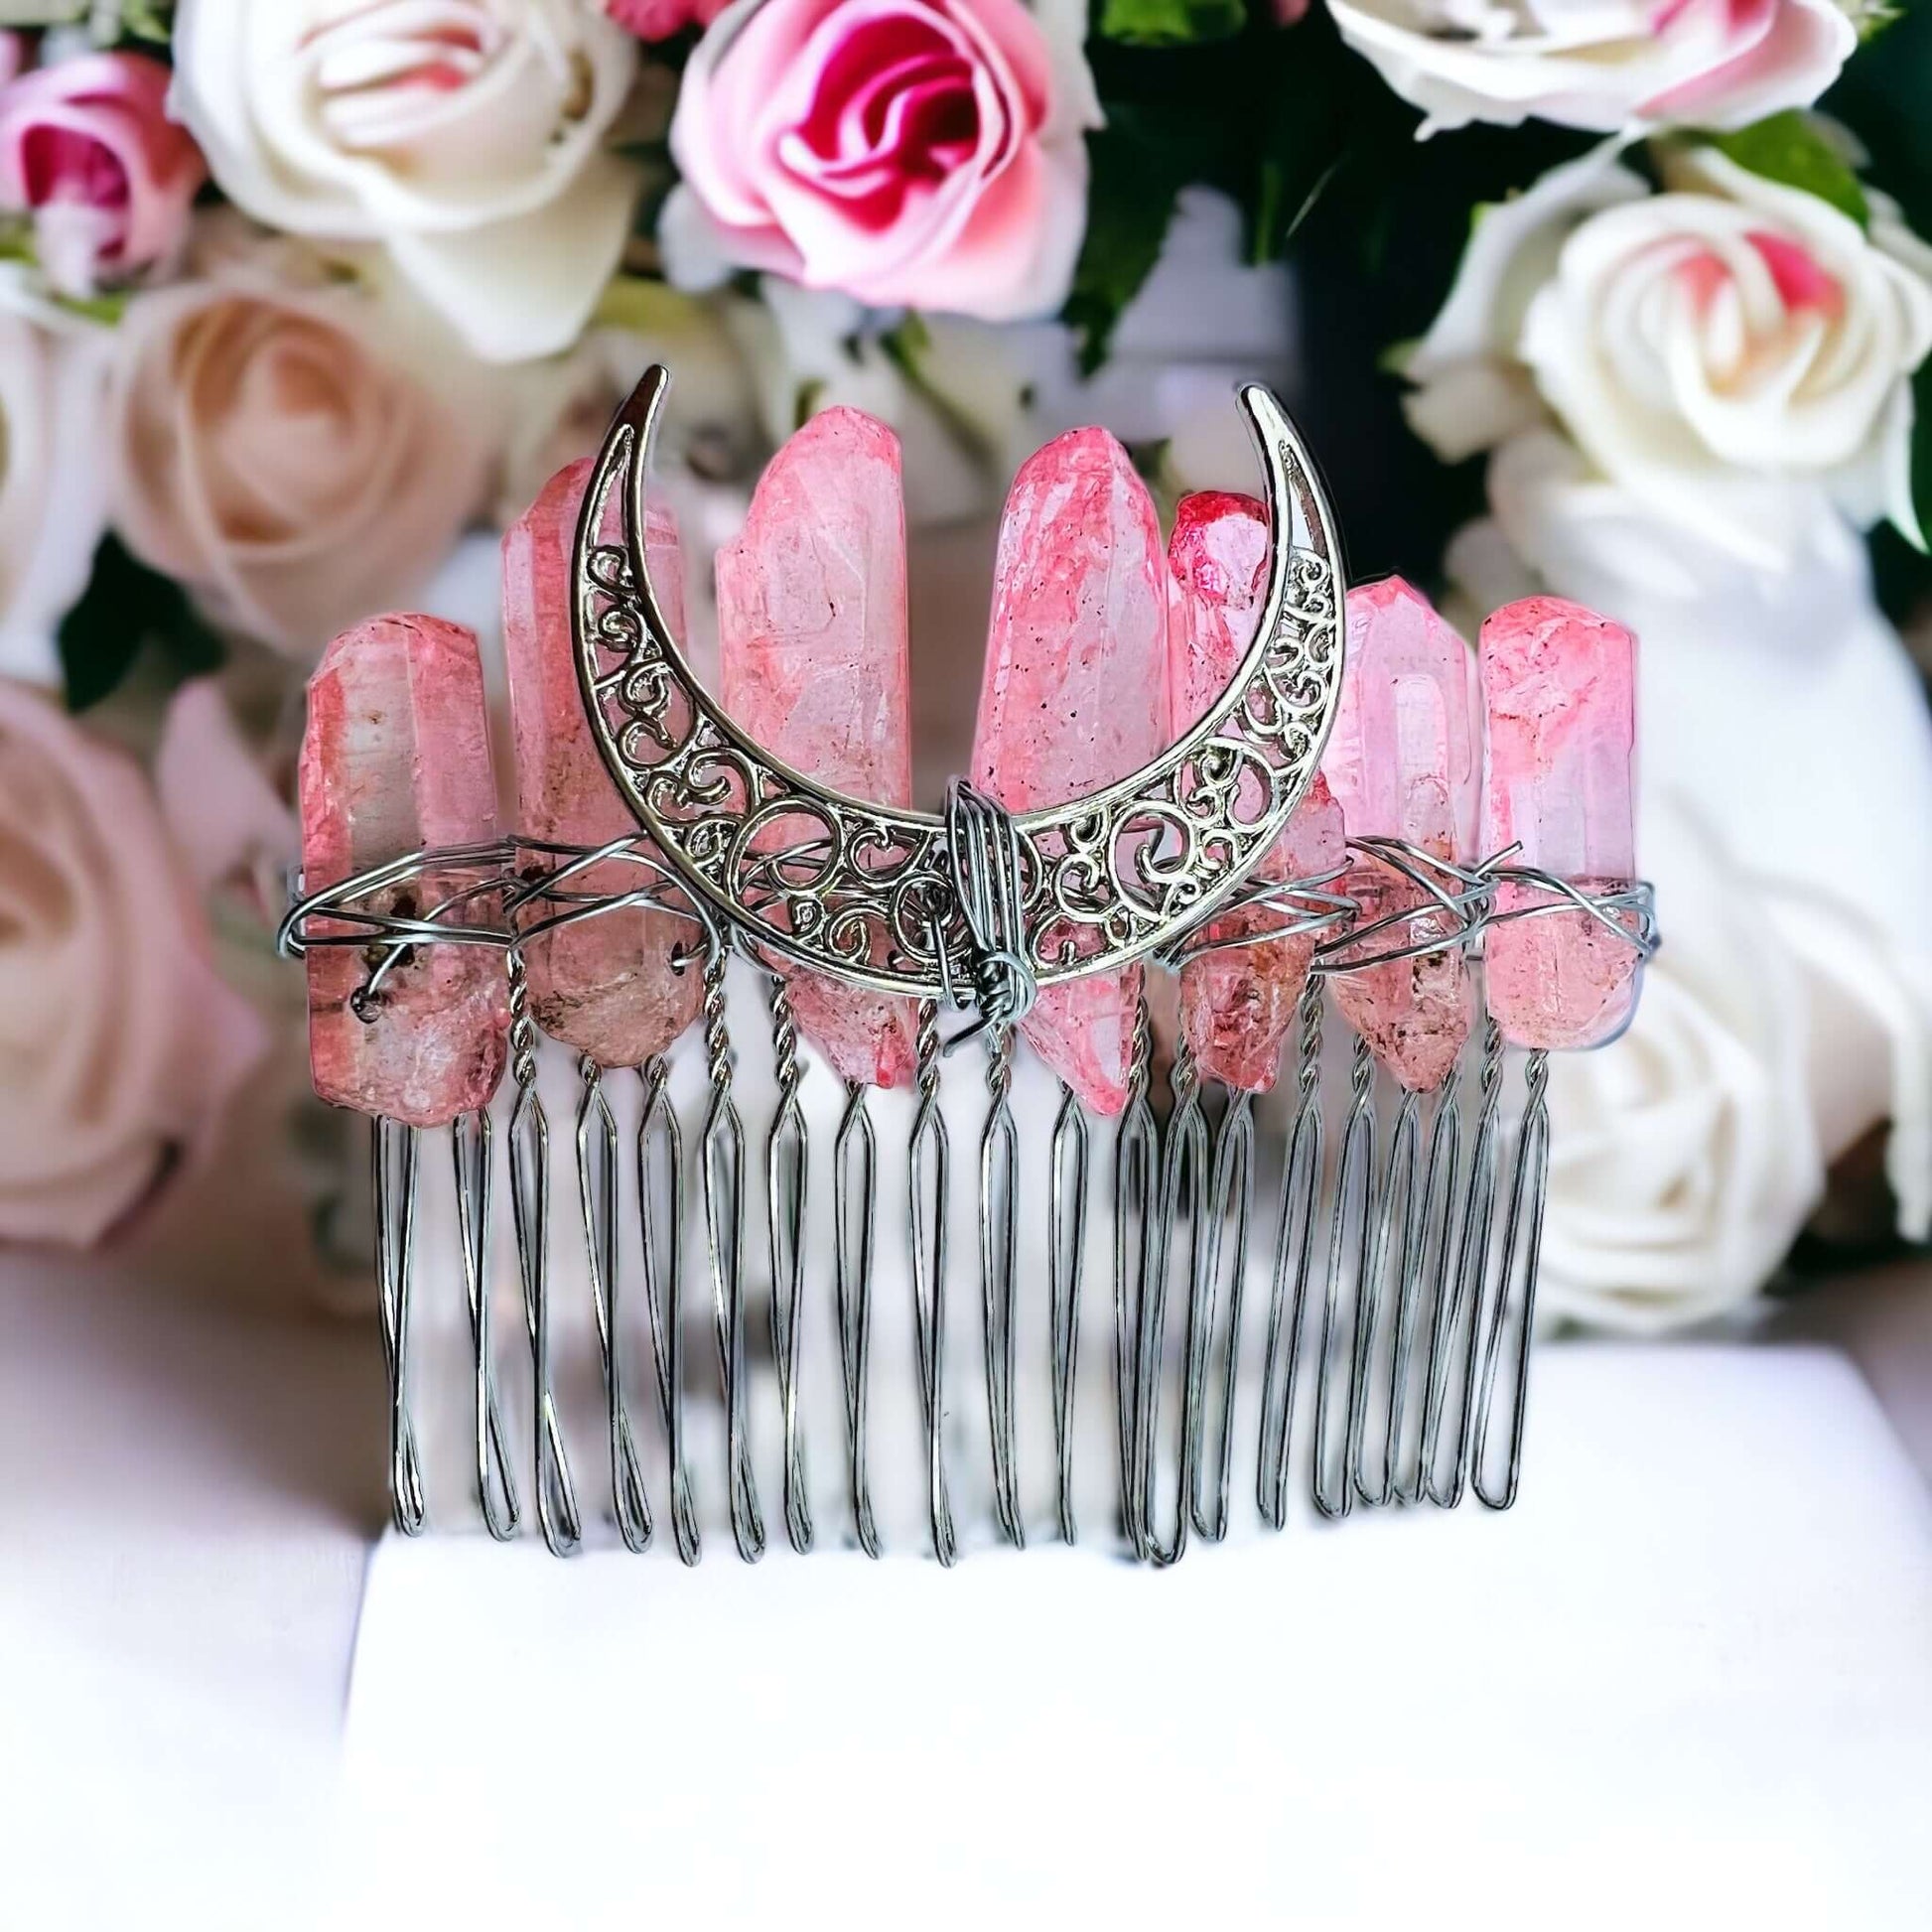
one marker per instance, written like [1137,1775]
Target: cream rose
[119,1043]
[469,136]
[1702,63]
[1736,352]
[52,495]
[290,443]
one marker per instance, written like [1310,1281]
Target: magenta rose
[88,149]
[917,152]
[658,19]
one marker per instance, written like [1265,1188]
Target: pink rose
[1609,64]
[658,19]
[120,1046]
[922,151]
[88,148]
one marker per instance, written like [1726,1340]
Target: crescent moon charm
[865,891]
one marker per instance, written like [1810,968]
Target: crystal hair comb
[1206,765]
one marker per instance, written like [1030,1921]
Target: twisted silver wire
[1293,1264]
[1184,1182]
[1066,1260]
[984,857]
[1342,1361]
[660,1219]
[1228,1209]
[722,1156]
[1135,1169]
[470,1152]
[392,1156]
[787,1165]
[855,1212]
[596,1195]
[1509,1337]
[1385,1318]
[1433,1264]
[529,1138]
[999,1209]
[926,1216]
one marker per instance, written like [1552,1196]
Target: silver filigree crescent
[865,891]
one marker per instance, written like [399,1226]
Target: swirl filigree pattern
[864,891]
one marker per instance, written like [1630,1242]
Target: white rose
[1790,1011]
[295,443]
[52,490]
[1708,63]
[469,136]
[1737,353]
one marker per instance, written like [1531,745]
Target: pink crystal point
[1560,685]
[1237,1002]
[1076,695]
[1402,762]
[395,758]
[813,642]
[605,985]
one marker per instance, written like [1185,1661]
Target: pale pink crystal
[814,665]
[1402,762]
[1560,683]
[1237,1002]
[395,758]
[604,986]
[1076,695]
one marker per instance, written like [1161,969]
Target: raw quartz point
[1237,1002]
[1561,686]
[816,666]
[395,758]
[604,985]
[1076,695]
[1402,762]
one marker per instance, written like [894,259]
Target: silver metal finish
[854,1210]
[1067,1261]
[392,1151]
[660,1222]
[597,1194]
[788,1165]
[999,1214]
[1137,1164]
[926,1216]
[470,1150]
[868,894]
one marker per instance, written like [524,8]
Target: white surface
[186,1495]
[1686,1682]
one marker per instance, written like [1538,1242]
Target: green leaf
[1790,148]
[1138,165]
[1921,459]
[1170,22]
[125,607]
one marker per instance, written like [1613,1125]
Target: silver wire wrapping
[1422,1359]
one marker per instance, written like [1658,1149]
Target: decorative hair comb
[1205,762]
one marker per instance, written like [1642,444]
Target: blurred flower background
[300,303]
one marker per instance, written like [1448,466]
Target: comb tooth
[530,1136]
[1229,1207]
[855,1211]
[1184,1178]
[660,1213]
[1384,1308]
[1425,1278]
[1508,1335]
[1451,1401]
[393,1150]
[721,1158]
[1068,1261]
[596,1193]
[1347,1298]
[927,1198]
[787,1159]
[471,1154]
[998,1200]
[1135,1165]
[1294,1261]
